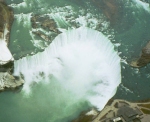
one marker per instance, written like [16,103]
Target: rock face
[6,18]
[47,24]
[6,15]
[8,67]
[7,80]
[144,58]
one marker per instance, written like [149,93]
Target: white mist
[82,60]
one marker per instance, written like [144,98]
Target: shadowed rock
[7,81]
[144,58]
[47,24]
[6,19]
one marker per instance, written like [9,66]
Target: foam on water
[79,17]
[82,60]
[140,4]
[24,19]
[67,16]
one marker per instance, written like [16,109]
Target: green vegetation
[145,111]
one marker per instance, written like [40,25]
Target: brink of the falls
[82,60]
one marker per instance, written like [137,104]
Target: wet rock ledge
[7,80]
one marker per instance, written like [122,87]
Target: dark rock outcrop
[6,19]
[8,67]
[44,22]
[43,36]
[7,81]
[144,58]
[47,24]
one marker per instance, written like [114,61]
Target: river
[49,101]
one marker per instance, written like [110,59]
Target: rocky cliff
[6,18]
[7,80]
[144,58]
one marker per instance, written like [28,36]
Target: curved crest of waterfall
[82,60]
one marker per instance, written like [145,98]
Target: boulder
[7,81]
[44,22]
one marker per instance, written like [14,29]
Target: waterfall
[82,60]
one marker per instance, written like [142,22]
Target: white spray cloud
[82,60]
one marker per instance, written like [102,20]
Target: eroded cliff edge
[7,80]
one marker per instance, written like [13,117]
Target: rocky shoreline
[7,80]
[144,58]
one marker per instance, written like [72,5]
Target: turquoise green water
[51,102]
[47,103]
[133,35]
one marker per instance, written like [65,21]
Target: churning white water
[82,60]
